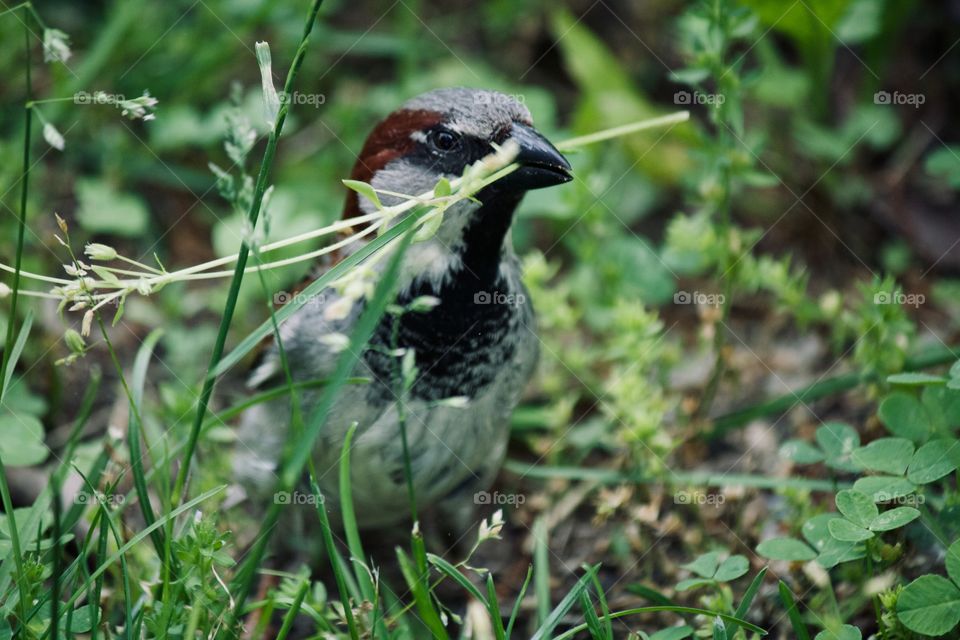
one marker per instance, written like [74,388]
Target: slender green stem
[252,216]
[136,423]
[11,329]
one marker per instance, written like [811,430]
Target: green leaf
[365,190]
[21,440]
[932,461]
[694,583]
[732,568]
[789,549]
[858,507]
[929,605]
[846,632]
[690,76]
[786,597]
[836,551]
[915,379]
[953,562]
[801,452]
[894,519]
[103,209]
[442,188]
[888,455]
[943,406]
[838,440]
[673,633]
[704,565]
[816,530]
[904,416]
[846,531]
[944,163]
[750,594]
[884,488]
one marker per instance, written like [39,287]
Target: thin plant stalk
[252,216]
[11,328]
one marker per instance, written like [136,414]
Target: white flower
[97,251]
[338,309]
[85,324]
[53,137]
[271,101]
[491,531]
[56,46]
[139,108]
[336,341]
[74,270]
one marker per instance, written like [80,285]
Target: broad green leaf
[704,565]
[894,519]
[732,568]
[801,452]
[103,209]
[943,405]
[884,488]
[929,605]
[816,530]
[693,583]
[846,531]
[789,549]
[836,551]
[21,440]
[953,562]
[846,632]
[904,416]
[888,455]
[366,191]
[932,461]
[673,633]
[858,507]
[838,441]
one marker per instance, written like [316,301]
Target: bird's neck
[485,239]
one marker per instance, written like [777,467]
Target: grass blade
[786,597]
[541,570]
[516,604]
[553,619]
[749,595]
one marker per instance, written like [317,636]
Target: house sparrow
[476,344]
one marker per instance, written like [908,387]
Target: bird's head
[438,134]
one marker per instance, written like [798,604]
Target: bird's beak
[541,165]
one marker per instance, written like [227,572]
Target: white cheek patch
[430,261]
[418,136]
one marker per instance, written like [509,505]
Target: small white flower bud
[97,251]
[75,341]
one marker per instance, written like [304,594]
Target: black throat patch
[461,344]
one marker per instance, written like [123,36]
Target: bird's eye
[444,140]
